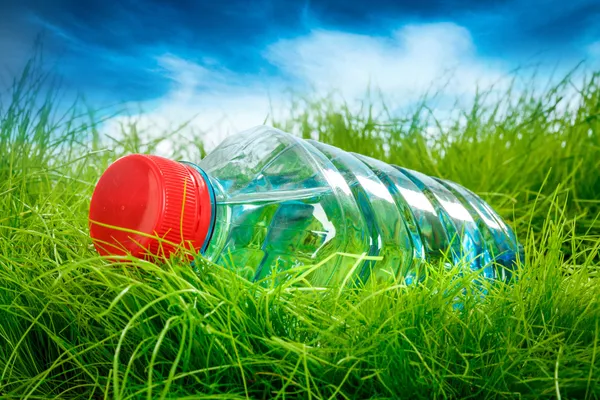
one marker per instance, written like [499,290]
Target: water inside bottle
[284,202]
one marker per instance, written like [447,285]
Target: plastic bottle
[265,201]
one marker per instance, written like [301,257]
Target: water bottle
[264,202]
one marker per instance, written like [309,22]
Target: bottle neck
[213,204]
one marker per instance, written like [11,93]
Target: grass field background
[73,325]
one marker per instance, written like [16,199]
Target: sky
[229,64]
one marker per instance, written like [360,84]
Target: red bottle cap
[138,207]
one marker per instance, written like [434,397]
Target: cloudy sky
[212,59]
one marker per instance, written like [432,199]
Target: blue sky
[181,58]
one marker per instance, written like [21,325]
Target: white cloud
[217,102]
[402,66]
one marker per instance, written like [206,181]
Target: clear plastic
[282,201]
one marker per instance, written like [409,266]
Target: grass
[73,325]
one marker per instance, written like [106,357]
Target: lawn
[74,325]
